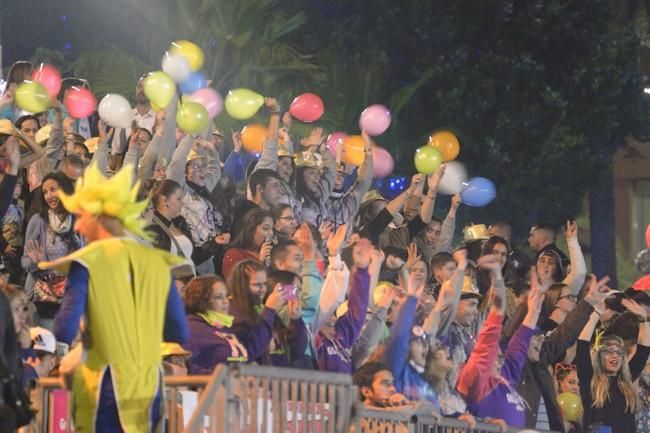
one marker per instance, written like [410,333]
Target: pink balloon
[375,120]
[80,102]
[334,140]
[210,99]
[647,236]
[307,107]
[382,162]
[49,77]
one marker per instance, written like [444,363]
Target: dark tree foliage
[540,93]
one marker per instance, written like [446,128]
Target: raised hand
[571,230]
[265,251]
[598,292]
[287,120]
[236,141]
[434,178]
[377,257]
[34,251]
[460,257]
[305,241]
[222,239]
[455,202]
[326,230]
[335,243]
[276,298]
[489,262]
[413,256]
[416,182]
[12,151]
[634,307]
[272,105]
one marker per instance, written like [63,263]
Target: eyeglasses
[571,297]
[613,351]
[288,218]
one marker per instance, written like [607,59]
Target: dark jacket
[536,379]
[209,346]
[9,351]
[262,339]
[200,253]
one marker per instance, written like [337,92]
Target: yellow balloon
[192,117]
[243,103]
[32,96]
[354,150]
[190,51]
[447,143]
[159,88]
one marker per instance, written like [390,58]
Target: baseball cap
[43,339]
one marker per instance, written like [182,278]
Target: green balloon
[242,104]
[192,117]
[427,159]
[159,88]
[32,96]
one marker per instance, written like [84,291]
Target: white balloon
[176,66]
[116,111]
[452,181]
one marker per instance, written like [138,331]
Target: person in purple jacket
[248,294]
[488,379]
[335,340]
[211,340]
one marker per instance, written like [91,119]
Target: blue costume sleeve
[73,305]
[397,350]
[176,327]
[348,327]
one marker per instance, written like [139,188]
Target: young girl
[566,378]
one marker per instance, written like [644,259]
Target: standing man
[126,292]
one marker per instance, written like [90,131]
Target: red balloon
[307,107]
[80,102]
[647,236]
[49,77]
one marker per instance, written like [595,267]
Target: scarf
[201,191]
[57,225]
[216,319]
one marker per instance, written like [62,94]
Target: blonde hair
[600,379]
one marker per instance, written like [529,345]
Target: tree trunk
[601,215]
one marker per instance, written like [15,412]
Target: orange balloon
[447,143]
[253,137]
[353,150]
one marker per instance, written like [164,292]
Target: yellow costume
[128,286]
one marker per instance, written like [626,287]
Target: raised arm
[54,149]
[100,157]
[443,242]
[176,168]
[153,151]
[269,157]
[578,272]
[426,211]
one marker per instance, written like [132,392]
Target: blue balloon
[478,191]
[195,82]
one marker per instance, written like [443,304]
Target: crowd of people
[295,261]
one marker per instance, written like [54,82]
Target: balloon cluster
[443,147]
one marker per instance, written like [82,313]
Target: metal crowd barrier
[53,405]
[263,399]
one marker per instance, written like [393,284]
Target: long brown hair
[239,287]
[600,379]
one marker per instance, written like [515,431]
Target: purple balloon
[375,120]
[334,140]
[210,99]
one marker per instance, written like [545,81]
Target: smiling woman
[49,236]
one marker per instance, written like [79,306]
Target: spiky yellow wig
[115,197]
